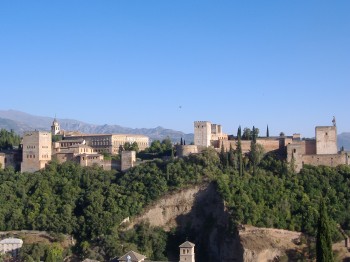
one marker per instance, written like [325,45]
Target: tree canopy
[90,203]
[9,139]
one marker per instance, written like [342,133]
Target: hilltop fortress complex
[90,149]
[322,150]
[86,149]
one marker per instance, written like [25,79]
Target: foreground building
[186,254]
[11,246]
[131,256]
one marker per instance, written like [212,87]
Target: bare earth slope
[201,211]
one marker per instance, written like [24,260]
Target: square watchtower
[202,133]
[187,252]
[326,140]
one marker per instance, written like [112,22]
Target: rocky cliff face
[198,214]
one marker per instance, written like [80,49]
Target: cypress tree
[231,156]
[267,131]
[181,142]
[323,239]
[292,163]
[239,151]
[223,155]
[253,151]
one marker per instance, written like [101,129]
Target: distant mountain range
[344,140]
[20,122]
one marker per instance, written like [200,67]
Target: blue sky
[285,64]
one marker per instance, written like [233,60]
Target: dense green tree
[54,254]
[90,203]
[324,251]
[247,134]
[239,151]
[131,146]
[223,156]
[253,152]
[9,139]
[158,149]
[231,157]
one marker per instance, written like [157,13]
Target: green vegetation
[276,197]
[9,140]
[91,203]
[42,252]
[131,146]
[56,138]
[324,251]
[157,149]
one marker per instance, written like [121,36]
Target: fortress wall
[326,160]
[269,144]
[7,160]
[186,150]
[227,144]
[2,160]
[63,157]
[310,147]
[284,141]
[245,146]
[296,150]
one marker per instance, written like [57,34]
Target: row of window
[91,157]
[32,147]
[33,156]
[100,143]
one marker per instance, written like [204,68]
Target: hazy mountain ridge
[9,124]
[20,122]
[344,140]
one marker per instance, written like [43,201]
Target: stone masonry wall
[326,160]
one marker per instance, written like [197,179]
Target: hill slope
[20,122]
[344,140]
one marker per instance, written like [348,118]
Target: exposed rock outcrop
[198,214]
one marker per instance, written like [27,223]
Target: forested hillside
[90,203]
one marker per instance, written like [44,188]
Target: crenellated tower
[202,133]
